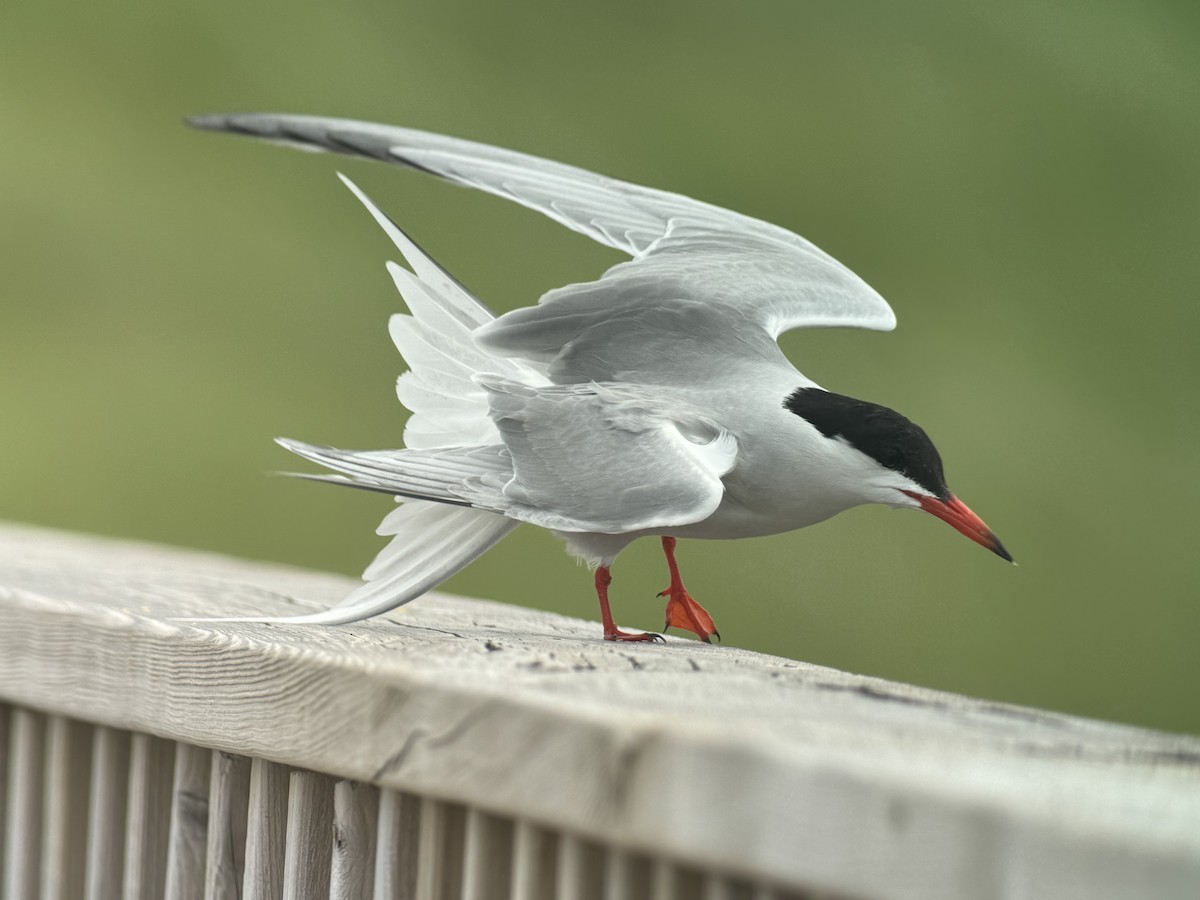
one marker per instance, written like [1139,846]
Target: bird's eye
[891,458]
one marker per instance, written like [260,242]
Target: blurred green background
[1020,180]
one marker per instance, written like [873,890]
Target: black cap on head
[881,433]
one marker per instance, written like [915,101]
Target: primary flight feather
[653,401]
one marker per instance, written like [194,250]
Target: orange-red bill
[959,515]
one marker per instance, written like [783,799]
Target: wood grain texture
[188,836]
[228,804]
[23,824]
[309,850]
[398,840]
[711,756]
[106,813]
[266,830]
[355,820]
[148,817]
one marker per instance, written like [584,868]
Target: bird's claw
[642,636]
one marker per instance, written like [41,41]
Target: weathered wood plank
[580,873]
[107,808]
[266,830]
[355,820]
[440,851]
[664,884]
[148,817]
[398,841]
[719,888]
[23,826]
[228,803]
[309,849]
[688,883]
[721,759]
[626,876]
[487,862]
[534,867]
[617,875]
[5,719]
[188,837]
[64,818]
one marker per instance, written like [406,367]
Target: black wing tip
[306,132]
[237,123]
[272,126]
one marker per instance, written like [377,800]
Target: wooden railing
[461,748]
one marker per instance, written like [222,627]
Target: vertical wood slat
[23,825]
[109,796]
[533,871]
[355,820]
[397,846]
[228,802]
[64,810]
[689,883]
[429,850]
[266,830]
[59,775]
[487,858]
[618,870]
[721,887]
[717,888]
[309,851]
[151,768]
[440,851]
[188,834]
[664,881]
[580,870]
[5,717]
[626,876]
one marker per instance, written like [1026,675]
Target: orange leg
[611,631]
[682,611]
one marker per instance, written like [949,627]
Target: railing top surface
[530,713]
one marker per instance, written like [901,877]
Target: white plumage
[652,401]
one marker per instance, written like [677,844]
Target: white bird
[653,401]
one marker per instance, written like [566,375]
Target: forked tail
[430,541]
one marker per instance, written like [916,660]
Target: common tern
[653,401]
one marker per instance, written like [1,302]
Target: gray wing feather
[699,250]
[606,458]
[624,216]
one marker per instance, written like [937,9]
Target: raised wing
[700,251]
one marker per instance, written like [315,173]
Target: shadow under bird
[653,401]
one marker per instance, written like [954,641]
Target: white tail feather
[430,541]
